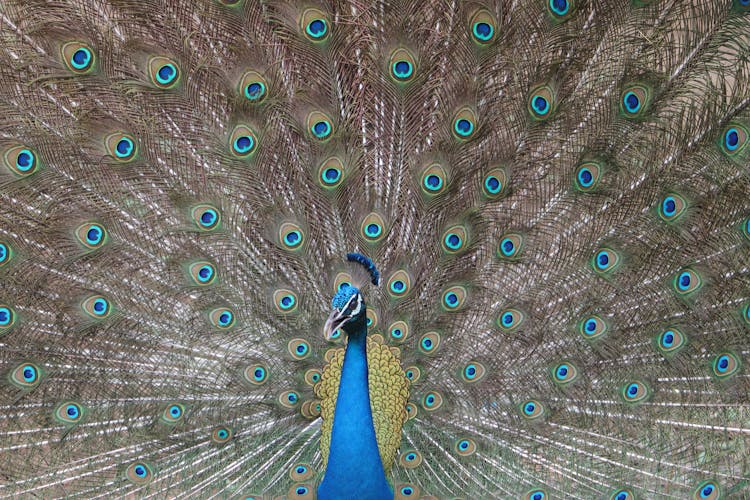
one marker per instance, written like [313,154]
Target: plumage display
[343,249]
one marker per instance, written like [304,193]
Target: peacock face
[349,311]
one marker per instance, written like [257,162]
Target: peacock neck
[355,469]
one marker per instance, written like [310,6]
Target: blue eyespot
[402,69]
[321,129]
[243,144]
[166,74]
[483,31]
[6,317]
[94,235]
[541,106]
[559,7]
[140,471]
[301,490]
[317,28]
[433,182]
[25,162]
[331,175]
[78,57]
[732,138]
[398,286]
[684,281]
[124,148]
[585,177]
[255,91]
[493,184]
[373,230]
[175,411]
[29,374]
[81,58]
[205,273]
[529,408]
[407,491]
[463,127]
[631,102]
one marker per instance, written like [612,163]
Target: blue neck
[354,467]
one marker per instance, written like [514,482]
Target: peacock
[341,249]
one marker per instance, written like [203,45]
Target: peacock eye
[26,376]
[202,273]
[635,392]
[163,71]
[622,495]
[288,399]
[221,318]
[483,26]
[5,253]
[532,409]
[535,495]
[687,281]
[464,123]
[285,300]
[373,228]
[91,235]
[707,490]
[510,319]
[331,172]
[96,306]
[588,175]
[320,125]
[256,374]
[434,179]
[243,141]
[560,10]
[454,298]
[473,372]
[564,373]
[78,57]
[465,447]
[605,261]
[314,24]
[69,413]
[725,365]
[634,100]
[672,207]
[253,87]
[139,473]
[495,183]
[541,103]
[455,239]
[432,401]
[593,327]
[7,318]
[221,435]
[399,284]
[291,236]
[510,246]
[399,331]
[671,340]
[298,348]
[173,413]
[121,146]
[206,217]
[410,459]
[734,139]
[402,64]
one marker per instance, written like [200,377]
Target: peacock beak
[335,321]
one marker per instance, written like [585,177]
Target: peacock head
[349,312]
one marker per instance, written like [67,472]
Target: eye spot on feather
[672,207]
[494,184]
[139,473]
[635,392]
[464,124]
[301,472]
[707,490]
[593,327]
[725,365]
[455,239]
[399,284]
[256,374]
[465,447]
[206,217]
[588,175]
[429,343]
[69,413]
[541,103]
[291,236]
[402,64]
[622,495]
[454,298]
[25,376]
[734,139]
[173,413]
[285,300]
[671,340]
[510,319]
[605,261]
[6,253]
[289,399]
[222,318]
[164,72]
[373,228]
[532,409]
[432,401]
[399,331]
[7,318]
[121,146]
[473,372]
[411,410]
[482,27]
[253,87]
[78,57]
[96,306]
[298,348]
[434,179]
[371,318]
[91,235]
[331,173]
[221,435]
[406,490]
[686,282]
[560,10]
[410,459]
[635,100]
[314,24]
[243,141]
[312,376]
[535,494]
[320,126]
[510,246]
[202,273]
[413,373]
[564,373]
